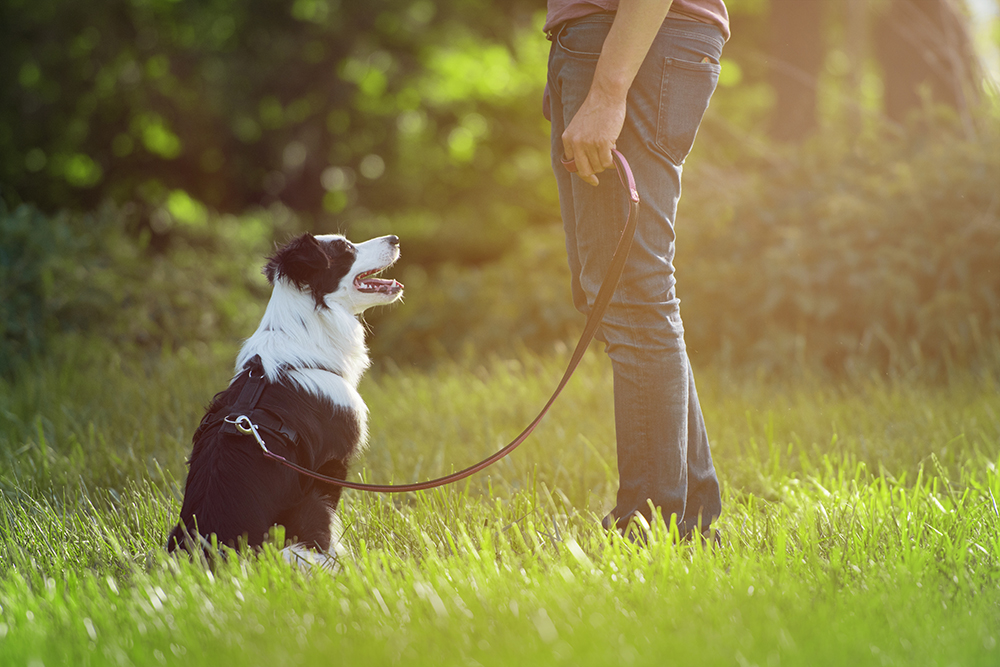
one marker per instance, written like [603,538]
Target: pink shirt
[703,11]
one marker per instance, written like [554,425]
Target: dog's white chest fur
[322,351]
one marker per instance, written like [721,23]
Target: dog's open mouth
[365,282]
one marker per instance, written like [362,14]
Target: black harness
[246,405]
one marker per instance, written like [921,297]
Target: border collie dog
[297,379]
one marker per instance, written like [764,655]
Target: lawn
[861,526]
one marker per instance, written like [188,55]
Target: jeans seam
[677,32]
[691,66]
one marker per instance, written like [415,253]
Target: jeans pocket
[583,39]
[685,90]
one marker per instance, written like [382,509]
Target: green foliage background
[343,111]
[153,151]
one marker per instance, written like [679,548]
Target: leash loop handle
[604,294]
[621,165]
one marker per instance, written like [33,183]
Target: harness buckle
[245,426]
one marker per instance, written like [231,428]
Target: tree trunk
[795,55]
[924,48]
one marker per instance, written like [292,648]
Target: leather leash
[246,426]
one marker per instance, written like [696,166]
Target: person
[637,75]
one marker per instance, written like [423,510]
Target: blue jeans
[664,459]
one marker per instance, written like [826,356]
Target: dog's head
[333,270]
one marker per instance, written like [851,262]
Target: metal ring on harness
[246,426]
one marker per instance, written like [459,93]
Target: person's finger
[607,161]
[585,169]
[570,166]
[585,156]
[597,162]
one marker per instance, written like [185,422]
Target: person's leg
[663,451]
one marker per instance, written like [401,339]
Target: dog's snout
[392,240]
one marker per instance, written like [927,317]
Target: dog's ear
[299,261]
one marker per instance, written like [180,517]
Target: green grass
[861,527]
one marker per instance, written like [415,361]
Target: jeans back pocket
[685,90]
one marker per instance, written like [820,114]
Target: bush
[885,254]
[882,256]
[521,301]
[46,285]
[75,273]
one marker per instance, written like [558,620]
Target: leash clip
[245,426]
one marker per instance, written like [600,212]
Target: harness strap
[247,405]
[250,395]
[254,387]
[268,421]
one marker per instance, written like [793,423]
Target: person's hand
[592,134]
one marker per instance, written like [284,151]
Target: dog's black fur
[309,348]
[256,493]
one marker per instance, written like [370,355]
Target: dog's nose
[393,240]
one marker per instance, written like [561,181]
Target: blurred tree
[342,109]
[923,48]
[795,54]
